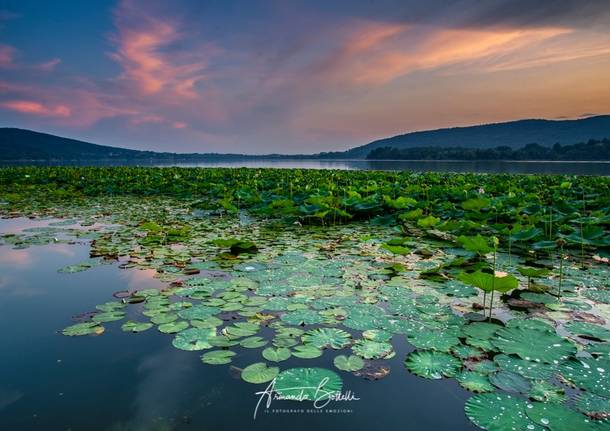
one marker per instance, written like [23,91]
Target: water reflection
[481,166]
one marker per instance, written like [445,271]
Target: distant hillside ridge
[513,134]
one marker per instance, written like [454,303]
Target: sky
[295,76]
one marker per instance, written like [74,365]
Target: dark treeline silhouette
[591,150]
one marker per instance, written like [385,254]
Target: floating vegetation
[297,265]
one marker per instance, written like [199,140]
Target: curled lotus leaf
[194,339]
[276,354]
[557,417]
[348,363]
[431,364]
[368,349]
[131,326]
[327,337]
[496,411]
[259,373]
[85,328]
[475,382]
[533,345]
[217,357]
[302,384]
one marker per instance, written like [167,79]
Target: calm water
[512,167]
[120,381]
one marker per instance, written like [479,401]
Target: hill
[513,134]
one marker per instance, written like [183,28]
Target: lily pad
[217,357]
[276,354]
[373,349]
[475,382]
[327,337]
[131,326]
[557,417]
[173,327]
[348,363]
[259,373]
[432,365]
[85,328]
[194,339]
[499,412]
[533,345]
[301,384]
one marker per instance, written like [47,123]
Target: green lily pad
[86,328]
[593,405]
[302,384]
[348,363]
[276,354]
[557,417]
[306,352]
[533,345]
[499,412]
[432,365]
[474,382]
[327,337]
[592,375]
[510,382]
[528,369]
[194,339]
[373,349]
[131,326]
[302,317]
[173,327]
[434,340]
[546,392]
[259,373]
[588,330]
[253,342]
[217,357]
[109,316]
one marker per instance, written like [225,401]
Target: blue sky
[294,76]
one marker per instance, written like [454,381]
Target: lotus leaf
[327,337]
[432,365]
[373,349]
[510,382]
[259,373]
[499,412]
[217,357]
[194,338]
[546,392]
[306,352]
[474,382]
[589,374]
[588,330]
[173,327]
[276,354]
[533,345]
[592,405]
[348,363]
[131,326]
[557,417]
[301,384]
[85,328]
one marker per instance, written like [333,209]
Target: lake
[481,166]
[123,381]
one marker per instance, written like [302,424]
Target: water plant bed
[498,283]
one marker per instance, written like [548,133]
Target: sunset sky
[294,76]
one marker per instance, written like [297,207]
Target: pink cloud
[31,107]
[147,53]
[7,54]
[50,65]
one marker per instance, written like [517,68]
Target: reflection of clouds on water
[16,225]
[138,279]
[16,258]
[16,286]
[63,249]
[8,397]
[165,379]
